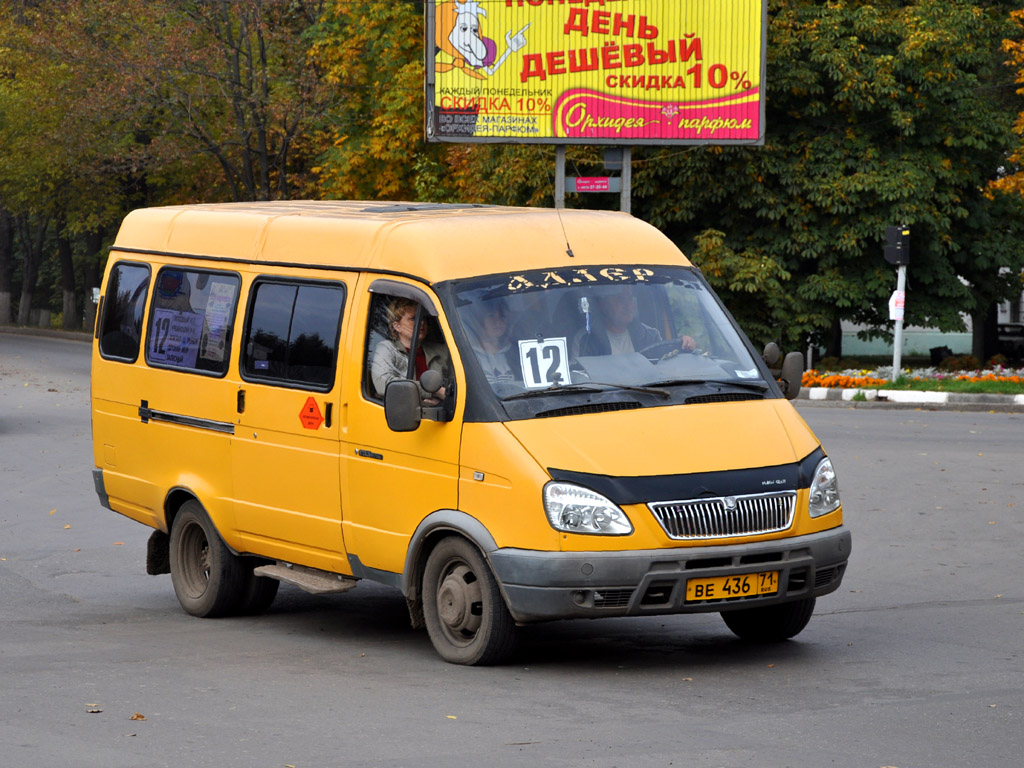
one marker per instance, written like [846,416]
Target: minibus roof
[430,241]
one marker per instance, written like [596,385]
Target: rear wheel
[770,624]
[465,614]
[258,592]
[208,579]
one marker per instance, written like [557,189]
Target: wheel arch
[433,528]
[218,510]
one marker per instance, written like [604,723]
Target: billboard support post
[626,197]
[560,176]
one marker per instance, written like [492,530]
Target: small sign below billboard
[593,184]
[623,72]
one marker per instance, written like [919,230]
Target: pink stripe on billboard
[586,114]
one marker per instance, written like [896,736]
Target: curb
[21,330]
[902,398]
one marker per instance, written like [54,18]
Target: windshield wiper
[752,385]
[590,386]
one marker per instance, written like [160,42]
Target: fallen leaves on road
[137,716]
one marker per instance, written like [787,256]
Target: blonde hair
[395,311]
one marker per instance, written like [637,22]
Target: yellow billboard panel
[596,71]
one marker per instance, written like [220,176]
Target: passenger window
[292,333]
[191,320]
[388,340]
[123,307]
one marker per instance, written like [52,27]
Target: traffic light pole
[897,340]
[897,251]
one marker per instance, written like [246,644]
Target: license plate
[725,587]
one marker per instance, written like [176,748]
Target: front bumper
[540,586]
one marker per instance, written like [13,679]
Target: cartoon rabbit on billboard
[460,36]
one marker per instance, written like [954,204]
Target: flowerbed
[919,378]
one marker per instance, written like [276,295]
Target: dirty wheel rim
[460,603]
[194,550]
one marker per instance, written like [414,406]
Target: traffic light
[897,245]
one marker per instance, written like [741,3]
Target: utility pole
[897,251]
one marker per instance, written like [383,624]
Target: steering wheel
[662,350]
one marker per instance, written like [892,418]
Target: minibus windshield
[586,328]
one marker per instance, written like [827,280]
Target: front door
[285,450]
[395,479]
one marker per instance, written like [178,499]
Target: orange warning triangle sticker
[310,415]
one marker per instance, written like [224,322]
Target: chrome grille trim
[711,518]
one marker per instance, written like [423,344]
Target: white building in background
[918,341]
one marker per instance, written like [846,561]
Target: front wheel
[770,624]
[208,579]
[465,614]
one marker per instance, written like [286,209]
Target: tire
[771,624]
[208,580]
[258,592]
[466,616]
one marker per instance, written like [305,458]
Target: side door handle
[240,404]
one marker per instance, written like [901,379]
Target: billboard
[596,71]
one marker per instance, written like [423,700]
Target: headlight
[824,490]
[573,509]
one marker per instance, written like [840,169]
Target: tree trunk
[6,266]
[984,333]
[71,321]
[835,339]
[32,240]
[91,276]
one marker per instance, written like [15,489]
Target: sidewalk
[904,398]
[53,333]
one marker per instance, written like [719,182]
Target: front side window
[397,324]
[191,320]
[123,308]
[292,333]
[583,329]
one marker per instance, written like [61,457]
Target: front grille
[825,577]
[725,517]
[612,598]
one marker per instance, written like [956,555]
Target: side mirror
[402,405]
[431,380]
[792,374]
[771,354]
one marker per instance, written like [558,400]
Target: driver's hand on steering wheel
[688,343]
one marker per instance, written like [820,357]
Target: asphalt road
[916,662]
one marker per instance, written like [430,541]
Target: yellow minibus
[512,415]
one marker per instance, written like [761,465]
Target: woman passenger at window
[391,357]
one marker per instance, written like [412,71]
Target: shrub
[998,361]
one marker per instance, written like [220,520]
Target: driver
[618,330]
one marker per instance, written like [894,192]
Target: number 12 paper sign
[545,362]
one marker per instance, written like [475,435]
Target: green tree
[879,113]
[372,52]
